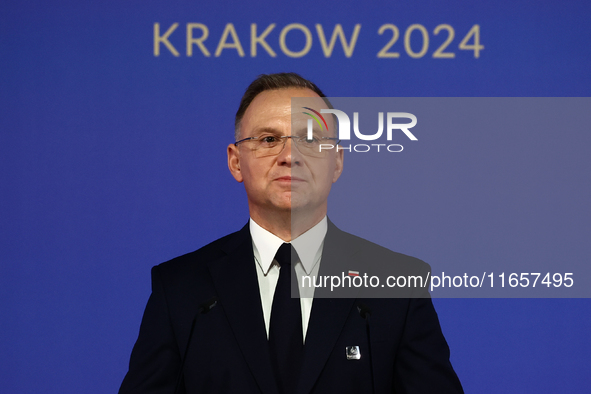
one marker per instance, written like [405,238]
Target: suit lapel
[328,314]
[236,283]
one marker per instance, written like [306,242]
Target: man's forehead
[277,105]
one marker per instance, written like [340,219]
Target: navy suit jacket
[401,344]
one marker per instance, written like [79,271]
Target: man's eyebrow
[265,130]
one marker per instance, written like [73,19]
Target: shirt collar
[308,245]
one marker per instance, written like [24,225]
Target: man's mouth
[289,178]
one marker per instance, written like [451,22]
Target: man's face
[289,180]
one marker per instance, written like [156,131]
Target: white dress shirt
[309,248]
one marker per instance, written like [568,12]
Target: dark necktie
[285,332]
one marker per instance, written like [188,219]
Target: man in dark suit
[221,319]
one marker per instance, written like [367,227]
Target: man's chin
[280,204]
[294,202]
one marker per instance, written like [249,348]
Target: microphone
[365,313]
[204,308]
[208,305]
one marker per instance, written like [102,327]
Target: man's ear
[234,162]
[338,170]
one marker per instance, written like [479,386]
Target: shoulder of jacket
[381,254]
[199,258]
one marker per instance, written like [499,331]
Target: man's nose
[290,153]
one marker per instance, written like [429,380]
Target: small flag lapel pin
[353,352]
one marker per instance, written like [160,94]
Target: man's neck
[288,225]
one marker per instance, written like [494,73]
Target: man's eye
[269,139]
[313,140]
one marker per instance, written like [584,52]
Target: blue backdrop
[112,153]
